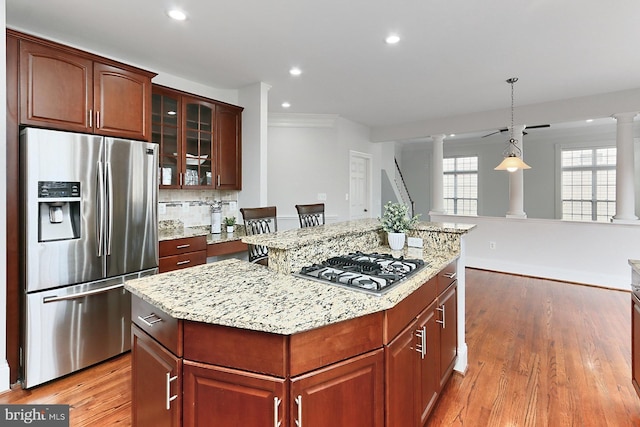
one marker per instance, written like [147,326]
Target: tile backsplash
[193,207]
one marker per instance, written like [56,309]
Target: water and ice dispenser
[58,210]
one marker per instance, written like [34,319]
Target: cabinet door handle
[422,347]
[218,180]
[443,322]
[298,401]
[182,246]
[147,322]
[169,397]
[98,119]
[90,118]
[187,261]
[276,416]
[450,275]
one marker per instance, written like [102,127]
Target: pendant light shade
[512,161]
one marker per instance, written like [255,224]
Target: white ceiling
[453,59]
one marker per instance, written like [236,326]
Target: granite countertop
[635,265]
[179,233]
[295,238]
[240,294]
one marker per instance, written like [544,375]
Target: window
[461,185]
[589,184]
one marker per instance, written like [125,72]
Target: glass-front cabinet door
[165,125]
[198,142]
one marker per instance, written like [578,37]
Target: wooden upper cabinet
[67,89]
[200,140]
[56,89]
[122,102]
[228,147]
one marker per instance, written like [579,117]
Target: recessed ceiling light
[589,120]
[295,71]
[286,105]
[171,113]
[392,39]
[176,14]
[452,135]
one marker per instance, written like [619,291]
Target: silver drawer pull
[183,262]
[169,397]
[182,246]
[444,320]
[450,275]
[298,400]
[276,416]
[147,322]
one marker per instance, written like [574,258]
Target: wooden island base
[382,369]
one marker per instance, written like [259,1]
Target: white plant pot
[396,241]
[230,228]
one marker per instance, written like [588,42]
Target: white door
[360,185]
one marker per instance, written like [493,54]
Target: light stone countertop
[239,294]
[291,239]
[179,233]
[635,265]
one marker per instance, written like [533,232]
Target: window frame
[594,168]
[455,173]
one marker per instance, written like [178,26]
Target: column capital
[438,138]
[629,116]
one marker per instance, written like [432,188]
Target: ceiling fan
[524,133]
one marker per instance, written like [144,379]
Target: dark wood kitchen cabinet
[448,325]
[215,395]
[349,393]
[156,378]
[413,375]
[67,89]
[176,254]
[200,141]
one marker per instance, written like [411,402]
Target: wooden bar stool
[311,215]
[259,221]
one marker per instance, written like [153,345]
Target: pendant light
[512,161]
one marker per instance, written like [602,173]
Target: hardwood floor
[98,396]
[541,353]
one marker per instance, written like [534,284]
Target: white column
[437,179]
[625,192]
[516,182]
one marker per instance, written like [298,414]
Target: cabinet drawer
[181,246]
[177,262]
[155,322]
[446,277]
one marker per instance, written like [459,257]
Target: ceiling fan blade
[537,126]
[493,133]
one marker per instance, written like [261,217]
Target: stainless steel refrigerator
[89,223]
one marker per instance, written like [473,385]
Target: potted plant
[230,221]
[396,222]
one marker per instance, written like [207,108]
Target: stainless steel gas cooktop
[371,273]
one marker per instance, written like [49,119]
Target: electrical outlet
[162,208]
[492,245]
[185,206]
[233,206]
[322,196]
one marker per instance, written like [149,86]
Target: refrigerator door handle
[109,207]
[82,294]
[100,217]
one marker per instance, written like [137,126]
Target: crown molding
[302,120]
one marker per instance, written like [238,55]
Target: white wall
[581,252]
[308,155]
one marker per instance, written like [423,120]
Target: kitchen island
[242,344]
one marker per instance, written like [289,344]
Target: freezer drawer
[70,328]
